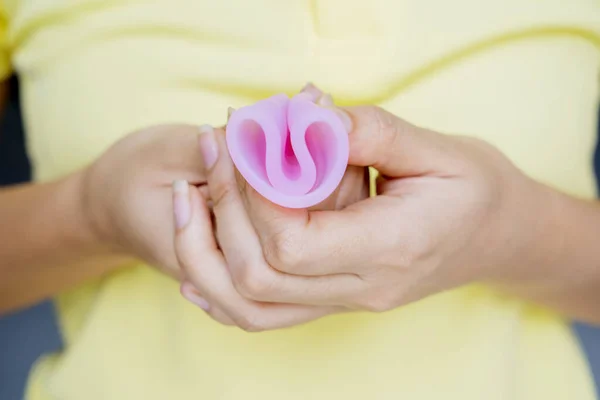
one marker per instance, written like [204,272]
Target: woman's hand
[59,234]
[449,211]
[127,192]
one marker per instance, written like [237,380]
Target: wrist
[529,238]
[87,226]
[560,270]
[540,231]
[576,227]
[546,245]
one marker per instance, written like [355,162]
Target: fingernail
[189,293]
[208,146]
[313,91]
[230,110]
[345,118]
[181,203]
[325,100]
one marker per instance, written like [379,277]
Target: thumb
[395,147]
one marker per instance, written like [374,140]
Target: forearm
[46,244]
[564,271]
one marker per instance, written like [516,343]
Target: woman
[452,211]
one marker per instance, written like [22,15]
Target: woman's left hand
[446,214]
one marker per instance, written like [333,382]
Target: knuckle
[486,147]
[220,317]
[254,282]
[410,250]
[378,302]
[250,322]
[384,123]
[418,248]
[223,192]
[383,119]
[283,250]
[387,129]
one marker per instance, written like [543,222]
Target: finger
[204,191]
[326,243]
[261,215]
[346,193]
[312,91]
[283,233]
[206,269]
[196,252]
[395,147]
[252,275]
[288,236]
[345,241]
[326,101]
[191,294]
[333,201]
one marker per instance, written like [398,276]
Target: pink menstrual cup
[292,151]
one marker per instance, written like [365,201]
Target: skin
[450,211]
[115,212]
[111,214]
[445,216]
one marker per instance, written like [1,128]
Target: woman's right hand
[127,197]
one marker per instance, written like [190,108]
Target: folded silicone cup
[291,151]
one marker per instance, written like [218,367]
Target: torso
[520,74]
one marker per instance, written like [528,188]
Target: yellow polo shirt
[521,74]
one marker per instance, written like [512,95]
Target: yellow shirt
[520,74]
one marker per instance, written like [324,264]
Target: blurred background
[26,335]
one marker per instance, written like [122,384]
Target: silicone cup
[291,151]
